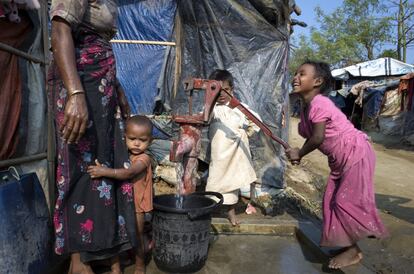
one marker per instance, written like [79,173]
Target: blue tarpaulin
[338,100]
[25,238]
[139,66]
[373,100]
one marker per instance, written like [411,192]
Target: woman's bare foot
[115,265]
[231,216]
[81,269]
[78,267]
[350,256]
[116,271]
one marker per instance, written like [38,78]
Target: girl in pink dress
[349,210]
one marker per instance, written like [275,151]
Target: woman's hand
[75,120]
[293,155]
[123,102]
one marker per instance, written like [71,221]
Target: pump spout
[186,150]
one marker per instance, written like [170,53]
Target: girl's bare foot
[231,216]
[350,256]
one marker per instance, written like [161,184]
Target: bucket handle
[195,213]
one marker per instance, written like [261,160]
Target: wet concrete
[247,254]
[277,245]
[394,192]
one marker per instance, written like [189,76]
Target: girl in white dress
[231,166]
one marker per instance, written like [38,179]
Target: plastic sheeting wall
[139,66]
[234,35]
[249,38]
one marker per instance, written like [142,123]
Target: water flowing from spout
[179,169]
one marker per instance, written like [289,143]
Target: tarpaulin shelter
[385,66]
[374,89]
[173,40]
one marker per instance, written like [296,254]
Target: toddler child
[138,136]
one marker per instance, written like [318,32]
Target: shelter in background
[180,39]
[370,94]
[374,70]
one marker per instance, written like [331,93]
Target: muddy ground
[394,190]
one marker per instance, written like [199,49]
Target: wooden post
[178,38]
[51,145]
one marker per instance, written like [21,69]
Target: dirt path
[394,188]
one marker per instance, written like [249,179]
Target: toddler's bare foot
[139,265]
[139,269]
[350,256]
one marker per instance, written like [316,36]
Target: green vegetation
[358,30]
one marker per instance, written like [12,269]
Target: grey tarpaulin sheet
[234,35]
[408,128]
[33,123]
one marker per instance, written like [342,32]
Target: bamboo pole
[22,160]
[20,53]
[51,140]
[178,37]
[144,42]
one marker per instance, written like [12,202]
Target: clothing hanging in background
[10,83]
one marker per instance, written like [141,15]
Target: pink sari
[349,209]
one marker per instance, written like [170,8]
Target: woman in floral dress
[93,218]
